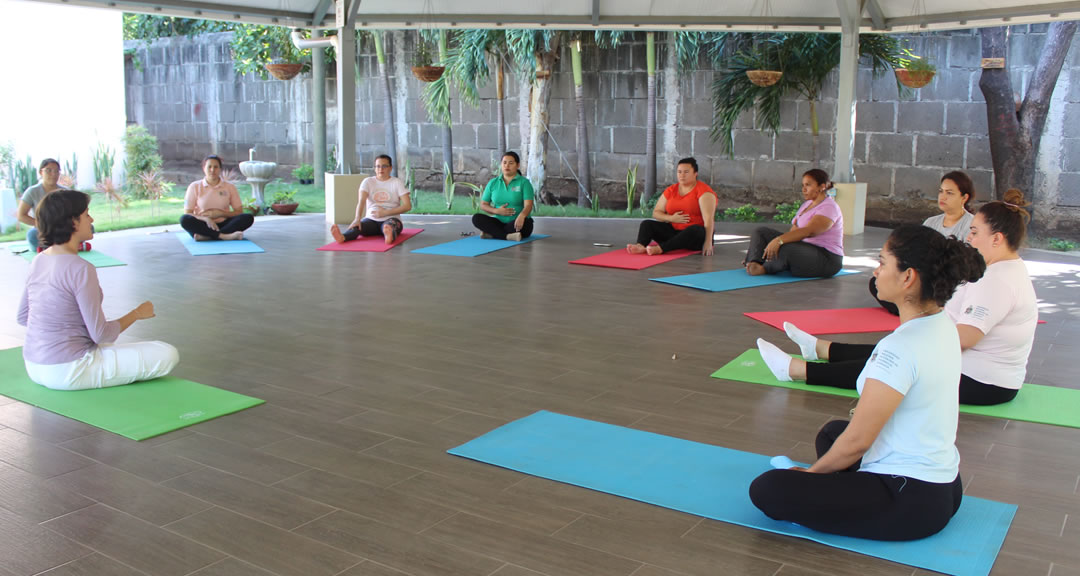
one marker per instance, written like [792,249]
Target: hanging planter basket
[914,78]
[284,71]
[427,73]
[764,77]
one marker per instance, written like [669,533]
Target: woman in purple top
[814,247]
[69,343]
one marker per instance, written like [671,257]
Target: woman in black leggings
[892,472]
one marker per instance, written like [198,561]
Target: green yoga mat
[138,411]
[1035,403]
[98,259]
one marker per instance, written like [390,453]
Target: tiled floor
[373,365]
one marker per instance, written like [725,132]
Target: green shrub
[786,212]
[1062,245]
[304,172]
[141,153]
[744,213]
[24,176]
[283,197]
[104,158]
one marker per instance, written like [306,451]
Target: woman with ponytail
[995,318]
[892,472]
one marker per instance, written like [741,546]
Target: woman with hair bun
[69,343]
[892,472]
[813,247]
[995,318]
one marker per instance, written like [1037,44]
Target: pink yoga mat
[836,321]
[622,259]
[371,243]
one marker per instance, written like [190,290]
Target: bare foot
[755,269]
[652,250]
[201,238]
[635,249]
[336,233]
[389,234]
[232,236]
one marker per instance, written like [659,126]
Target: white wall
[64,90]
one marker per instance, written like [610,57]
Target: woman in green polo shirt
[509,201]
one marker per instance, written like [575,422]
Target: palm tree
[470,63]
[534,53]
[583,173]
[436,100]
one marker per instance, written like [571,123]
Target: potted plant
[422,63]
[283,203]
[252,206]
[916,73]
[304,174]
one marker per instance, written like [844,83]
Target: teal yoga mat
[713,482]
[138,411]
[98,259]
[724,280]
[473,246]
[1035,403]
[215,247]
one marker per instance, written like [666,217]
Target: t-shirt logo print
[381,196]
[967,311]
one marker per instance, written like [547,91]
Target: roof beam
[876,15]
[1001,15]
[354,9]
[319,14]
[595,12]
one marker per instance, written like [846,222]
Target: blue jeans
[32,239]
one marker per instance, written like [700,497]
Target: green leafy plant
[155,187]
[304,172]
[1061,245]
[786,212]
[252,207]
[7,157]
[449,185]
[331,159]
[918,64]
[103,160]
[24,176]
[255,46]
[142,157]
[744,213]
[647,206]
[114,197]
[631,187]
[69,176]
[422,56]
[284,197]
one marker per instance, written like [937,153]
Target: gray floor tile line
[600,550]
[1051,572]
[567,525]
[362,560]
[441,420]
[333,510]
[1076,487]
[275,484]
[454,515]
[1064,523]
[403,480]
[691,529]
[226,559]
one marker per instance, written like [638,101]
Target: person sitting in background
[683,217]
[382,198]
[513,194]
[212,206]
[48,176]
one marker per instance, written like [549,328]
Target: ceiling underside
[741,15]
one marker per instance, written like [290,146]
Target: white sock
[807,342]
[778,362]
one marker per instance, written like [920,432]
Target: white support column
[850,14]
[346,85]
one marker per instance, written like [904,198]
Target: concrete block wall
[188,94]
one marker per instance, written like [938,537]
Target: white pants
[108,365]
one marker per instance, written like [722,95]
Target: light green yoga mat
[1034,403]
[138,411]
[98,259]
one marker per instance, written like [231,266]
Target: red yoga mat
[835,321]
[622,259]
[371,243]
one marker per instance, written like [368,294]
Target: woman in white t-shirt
[995,318]
[382,199]
[892,472]
[954,199]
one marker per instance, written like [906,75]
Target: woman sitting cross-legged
[69,343]
[382,199]
[212,206]
[683,216]
[509,200]
[892,472]
[813,247]
[995,318]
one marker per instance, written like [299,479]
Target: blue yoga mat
[213,247]
[473,246]
[713,482]
[724,280]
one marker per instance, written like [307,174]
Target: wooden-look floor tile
[233,458]
[128,493]
[340,461]
[37,457]
[231,567]
[276,507]
[42,424]
[414,554]
[419,431]
[429,459]
[299,424]
[369,568]
[263,545]
[388,401]
[638,540]
[524,548]
[26,495]
[138,544]
[93,565]
[27,549]
[1062,570]
[388,507]
[242,428]
[142,459]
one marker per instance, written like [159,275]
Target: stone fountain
[258,174]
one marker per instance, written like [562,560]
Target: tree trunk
[525,88]
[388,102]
[1014,133]
[447,131]
[500,96]
[650,121]
[584,198]
[538,125]
[814,140]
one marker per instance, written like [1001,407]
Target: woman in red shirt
[683,216]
